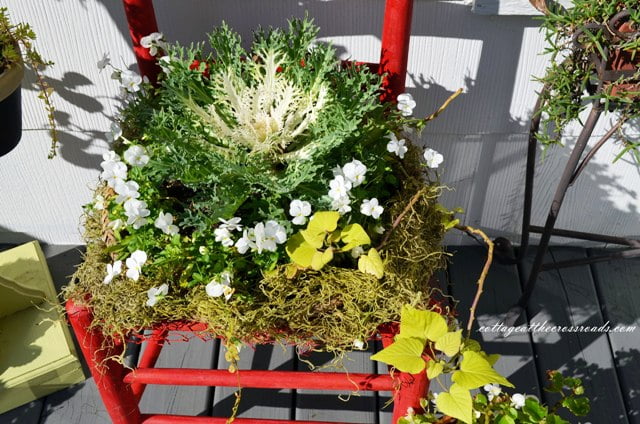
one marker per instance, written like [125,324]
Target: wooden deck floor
[587,295]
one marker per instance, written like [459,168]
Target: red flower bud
[279,69]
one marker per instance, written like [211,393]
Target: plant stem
[435,114]
[398,220]
[483,274]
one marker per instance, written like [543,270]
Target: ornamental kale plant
[247,181]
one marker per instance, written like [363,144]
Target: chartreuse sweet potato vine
[429,343]
[427,334]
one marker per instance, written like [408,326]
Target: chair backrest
[396,31]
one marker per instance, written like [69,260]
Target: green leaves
[307,248]
[475,371]
[319,226]
[371,263]
[456,403]
[449,343]
[404,354]
[353,235]
[427,325]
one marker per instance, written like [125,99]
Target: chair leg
[411,387]
[116,395]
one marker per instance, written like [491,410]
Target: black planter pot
[10,108]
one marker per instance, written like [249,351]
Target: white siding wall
[482,135]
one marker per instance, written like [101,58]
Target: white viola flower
[370,207]
[126,191]
[136,212]
[220,286]
[337,171]
[396,146]
[379,229]
[268,235]
[136,155]
[492,390]
[299,210]
[355,171]
[152,42]
[114,172]
[477,414]
[203,250]
[358,344]
[98,202]
[223,236]
[518,400]
[165,64]
[246,242]
[130,81]
[164,222]
[104,62]
[341,204]
[135,263]
[433,158]
[232,224]
[339,187]
[113,270]
[357,251]
[435,397]
[109,156]
[154,294]
[406,104]
[116,224]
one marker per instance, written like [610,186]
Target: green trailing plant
[433,343]
[574,36]
[16,47]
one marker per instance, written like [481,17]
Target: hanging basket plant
[594,49]
[267,193]
[16,50]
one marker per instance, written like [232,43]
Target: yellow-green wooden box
[37,356]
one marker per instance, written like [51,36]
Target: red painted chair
[122,388]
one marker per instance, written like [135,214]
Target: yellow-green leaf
[456,403]
[315,240]
[371,263]
[320,259]
[300,251]
[404,354]
[426,325]
[319,225]
[354,235]
[449,343]
[470,344]
[434,369]
[325,221]
[475,371]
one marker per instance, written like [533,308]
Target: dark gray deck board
[618,284]
[182,400]
[257,403]
[326,405]
[27,414]
[79,404]
[501,291]
[567,297]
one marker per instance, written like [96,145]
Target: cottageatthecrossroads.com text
[545,327]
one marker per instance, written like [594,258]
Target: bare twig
[435,114]
[400,217]
[483,274]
